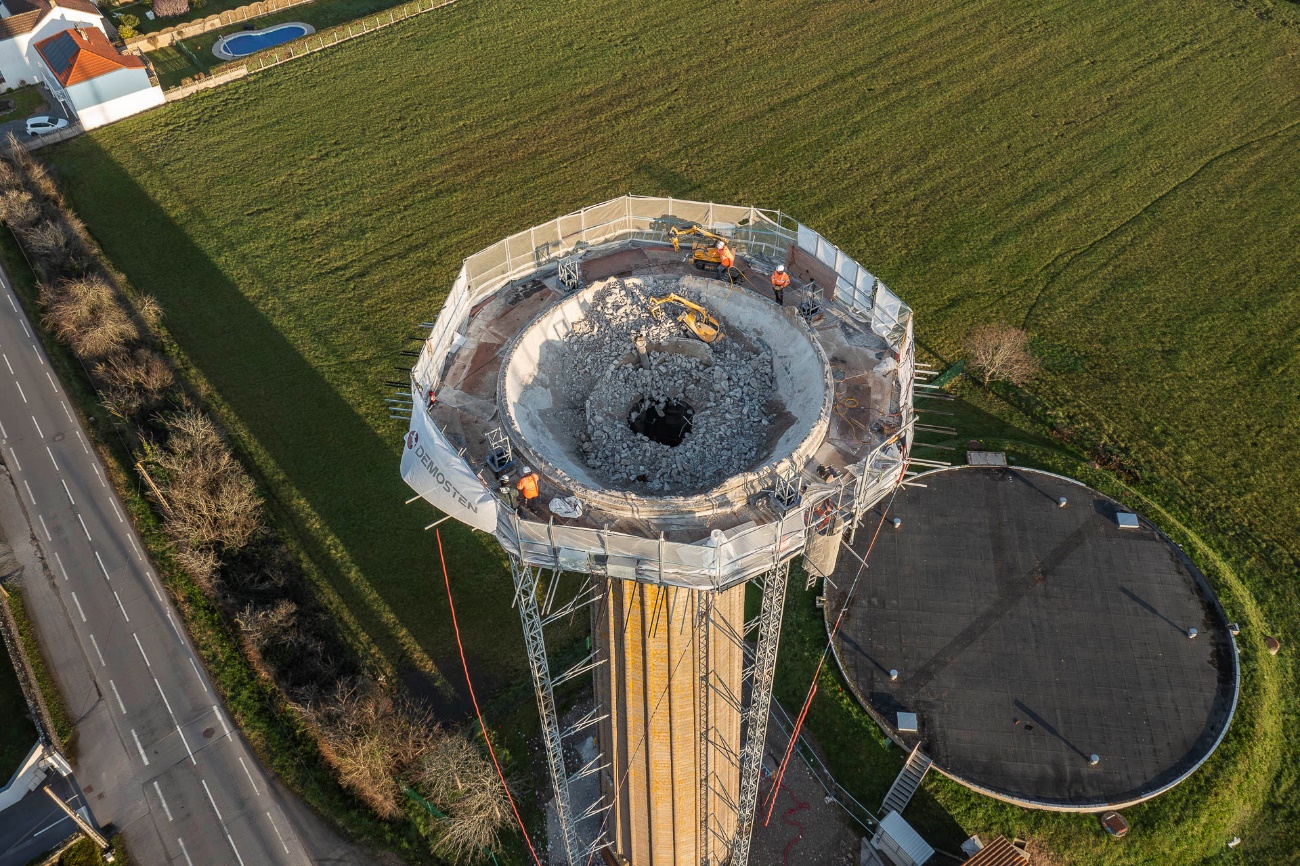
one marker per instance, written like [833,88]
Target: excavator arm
[676,233]
[696,319]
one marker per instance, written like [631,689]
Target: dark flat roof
[1028,637]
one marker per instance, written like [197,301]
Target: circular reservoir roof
[1029,637]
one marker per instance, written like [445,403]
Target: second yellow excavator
[696,319]
[704,255]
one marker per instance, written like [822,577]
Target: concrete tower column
[651,689]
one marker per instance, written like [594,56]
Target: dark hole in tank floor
[668,427]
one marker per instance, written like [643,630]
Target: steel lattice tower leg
[530,615]
[760,703]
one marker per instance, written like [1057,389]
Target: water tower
[679,479]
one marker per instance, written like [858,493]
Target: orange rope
[482,725]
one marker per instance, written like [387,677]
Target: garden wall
[170,35]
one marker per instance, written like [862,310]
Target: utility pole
[105,849]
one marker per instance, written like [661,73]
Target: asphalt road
[159,758]
[34,825]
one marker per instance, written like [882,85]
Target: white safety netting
[724,558]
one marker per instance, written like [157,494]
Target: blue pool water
[242,44]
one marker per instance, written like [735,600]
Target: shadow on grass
[350,517]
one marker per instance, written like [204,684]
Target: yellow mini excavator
[696,319]
[703,255]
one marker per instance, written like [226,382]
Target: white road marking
[135,547]
[11,303]
[141,646]
[3,433]
[38,354]
[69,414]
[199,676]
[95,644]
[120,606]
[103,567]
[52,826]
[25,331]
[51,378]
[277,831]
[7,364]
[83,528]
[221,719]
[51,453]
[223,822]
[121,706]
[96,468]
[61,568]
[167,704]
[20,390]
[14,455]
[39,431]
[174,628]
[48,537]
[116,510]
[158,791]
[143,756]
[67,491]
[30,495]
[82,438]
[181,842]
[79,610]
[249,775]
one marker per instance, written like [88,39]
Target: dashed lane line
[95,644]
[14,455]
[84,446]
[20,390]
[168,705]
[221,719]
[38,354]
[277,832]
[121,706]
[4,434]
[120,606]
[181,842]
[116,510]
[222,822]
[250,776]
[39,431]
[25,331]
[101,477]
[143,756]
[141,646]
[11,303]
[67,491]
[84,529]
[7,364]
[30,495]
[79,610]
[48,537]
[163,800]
[103,567]
[49,376]
[62,570]
[199,676]
[51,453]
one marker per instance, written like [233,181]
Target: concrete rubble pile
[728,385]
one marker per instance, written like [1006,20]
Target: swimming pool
[251,41]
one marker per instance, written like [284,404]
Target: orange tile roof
[26,15]
[79,55]
[999,852]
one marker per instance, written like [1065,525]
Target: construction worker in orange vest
[726,258]
[528,486]
[780,282]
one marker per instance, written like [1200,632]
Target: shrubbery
[213,515]
[170,8]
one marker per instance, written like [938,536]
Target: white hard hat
[780,269]
[719,245]
[528,470]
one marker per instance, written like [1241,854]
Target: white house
[23,23]
[92,80]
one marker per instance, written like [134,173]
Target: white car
[42,125]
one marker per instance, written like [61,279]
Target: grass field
[1119,178]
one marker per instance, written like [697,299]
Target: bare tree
[18,209]
[85,314]
[455,775]
[1001,352]
[213,505]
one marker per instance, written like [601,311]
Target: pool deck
[219,49]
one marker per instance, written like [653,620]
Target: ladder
[907,783]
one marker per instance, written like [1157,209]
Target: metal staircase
[907,783]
